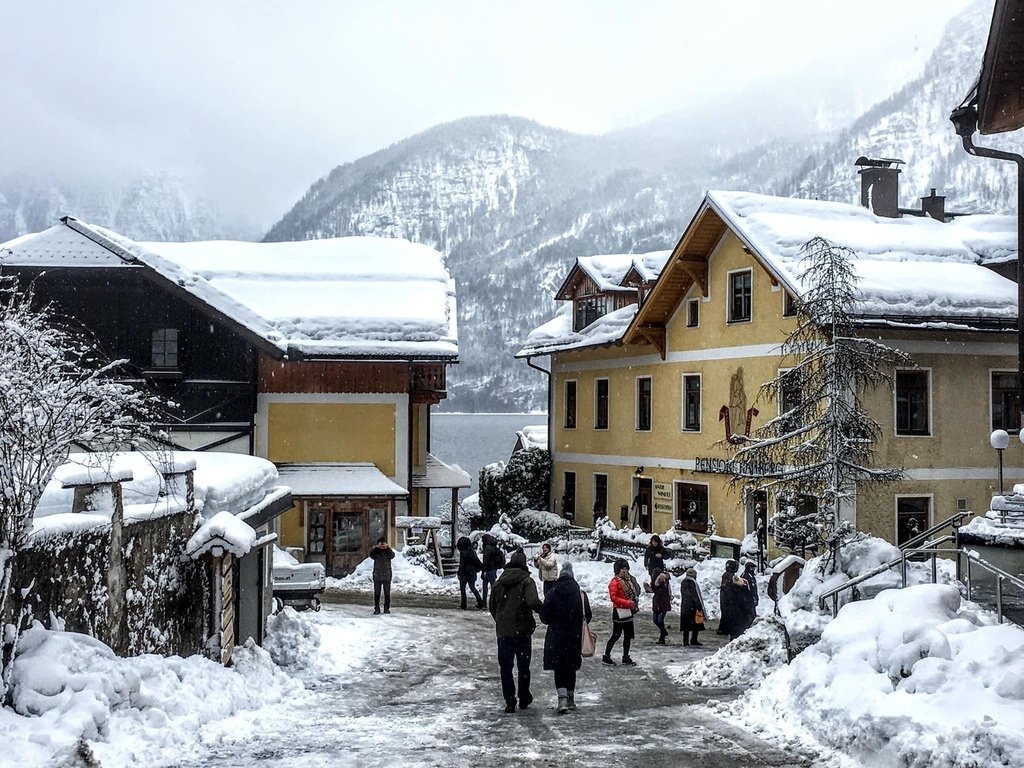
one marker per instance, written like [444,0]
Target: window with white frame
[569,406]
[913,516]
[791,397]
[788,304]
[644,403]
[1005,401]
[600,495]
[693,313]
[740,289]
[691,502]
[601,404]
[691,402]
[569,495]
[912,403]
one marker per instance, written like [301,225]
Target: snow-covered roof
[557,334]
[534,436]
[338,479]
[608,271]
[437,474]
[223,530]
[222,481]
[909,266]
[350,297]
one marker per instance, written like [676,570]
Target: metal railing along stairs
[924,545]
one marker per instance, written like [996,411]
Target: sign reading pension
[731,467]
[663,497]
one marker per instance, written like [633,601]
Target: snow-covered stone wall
[62,579]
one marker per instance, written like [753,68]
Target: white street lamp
[1000,439]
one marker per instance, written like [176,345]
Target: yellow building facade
[640,419]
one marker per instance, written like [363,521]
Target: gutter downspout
[551,433]
[965,120]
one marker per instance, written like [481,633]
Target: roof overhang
[1000,93]
[437,474]
[338,479]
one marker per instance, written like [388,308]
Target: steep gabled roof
[349,298]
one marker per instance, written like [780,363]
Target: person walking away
[661,603]
[547,566]
[737,608]
[565,609]
[655,556]
[731,567]
[469,567]
[382,555]
[624,596]
[750,576]
[690,601]
[493,561]
[512,603]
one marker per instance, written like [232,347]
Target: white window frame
[991,401]
[896,511]
[931,403]
[675,494]
[778,400]
[728,296]
[608,404]
[692,303]
[575,405]
[636,404]
[682,402]
[786,295]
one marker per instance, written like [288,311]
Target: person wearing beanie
[469,567]
[493,561]
[731,568]
[512,603]
[565,609]
[625,601]
[661,603]
[690,602]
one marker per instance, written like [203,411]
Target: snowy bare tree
[55,391]
[821,445]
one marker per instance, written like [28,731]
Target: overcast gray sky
[258,99]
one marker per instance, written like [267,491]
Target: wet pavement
[426,693]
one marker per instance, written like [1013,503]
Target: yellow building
[644,398]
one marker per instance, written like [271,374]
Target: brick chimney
[934,205]
[880,185]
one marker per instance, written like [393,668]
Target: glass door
[347,537]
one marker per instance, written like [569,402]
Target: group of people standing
[739,599]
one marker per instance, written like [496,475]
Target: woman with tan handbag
[566,608]
[691,608]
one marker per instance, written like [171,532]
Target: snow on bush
[538,525]
[292,640]
[910,678]
[138,710]
[746,660]
[502,533]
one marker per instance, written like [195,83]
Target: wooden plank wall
[227,613]
[332,377]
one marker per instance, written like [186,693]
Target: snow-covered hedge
[538,525]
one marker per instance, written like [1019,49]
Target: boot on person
[570,698]
[563,701]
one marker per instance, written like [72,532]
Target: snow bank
[749,658]
[910,678]
[407,577]
[133,711]
[292,639]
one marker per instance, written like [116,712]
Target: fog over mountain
[511,203]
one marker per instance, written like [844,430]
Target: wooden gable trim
[655,336]
[685,267]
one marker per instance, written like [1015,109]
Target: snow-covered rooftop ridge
[223,530]
[352,296]
[909,266]
[608,271]
[557,334]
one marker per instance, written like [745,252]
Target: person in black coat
[749,576]
[493,561]
[689,603]
[469,567]
[731,568]
[655,556]
[565,609]
[737,608]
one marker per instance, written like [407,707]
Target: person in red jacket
[625,596]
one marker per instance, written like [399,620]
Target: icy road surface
[419,687]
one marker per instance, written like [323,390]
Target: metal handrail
[999,573]
[834,592]
[952,520]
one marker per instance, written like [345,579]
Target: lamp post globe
[1000,439]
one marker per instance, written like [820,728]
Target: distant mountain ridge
[511,203]
[145,206]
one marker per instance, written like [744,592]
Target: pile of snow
[223,530]
[407,577]
[910,678]
[749,658]
[292,640]
[140,710]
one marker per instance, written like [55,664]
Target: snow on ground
[911,678]
[742,662]
[150,709]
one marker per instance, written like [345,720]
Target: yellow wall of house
[332,432]
[292,533]
[955,462]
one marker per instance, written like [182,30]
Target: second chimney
[934,206]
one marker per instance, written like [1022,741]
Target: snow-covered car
[297,584]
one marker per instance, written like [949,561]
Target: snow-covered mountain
[144,206]
[913,125]
[511,202]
